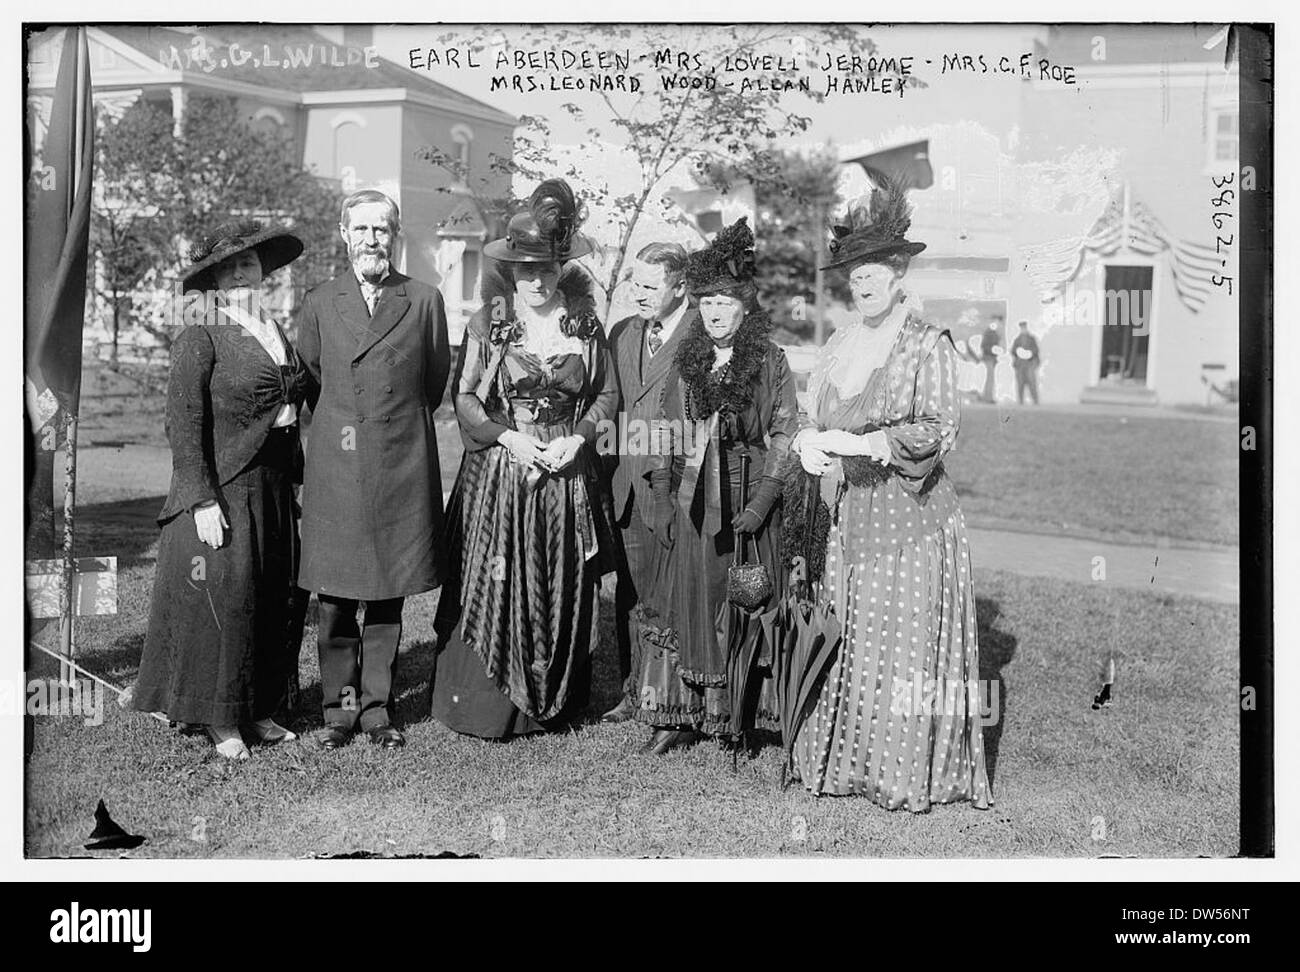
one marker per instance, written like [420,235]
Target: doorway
[1126,324]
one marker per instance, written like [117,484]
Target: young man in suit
[375,343]
[643,346]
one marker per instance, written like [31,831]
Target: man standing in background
[1025,360]
[990,349]
[643,346]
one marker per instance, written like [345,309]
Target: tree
[668,124]
[795,195]
[128,236]
[158,191]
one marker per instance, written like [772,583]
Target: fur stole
[731,388]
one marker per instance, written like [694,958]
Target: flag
[909,164]
[54,270]
[1124,222]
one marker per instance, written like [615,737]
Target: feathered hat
[275,247]
[876,226]
[545,232]
[725,265]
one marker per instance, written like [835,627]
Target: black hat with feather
[545,232]
[875,228]
[725,266]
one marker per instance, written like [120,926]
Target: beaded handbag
[748,585]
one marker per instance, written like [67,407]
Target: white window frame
[1219,106]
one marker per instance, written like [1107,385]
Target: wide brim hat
[726,265]
[546,231]
[276,246]
[875,227]
[869,252]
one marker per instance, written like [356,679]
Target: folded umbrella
[741,628]
[744,640]
[806,636]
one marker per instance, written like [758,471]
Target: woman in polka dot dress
[899,716]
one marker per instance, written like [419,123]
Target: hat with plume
[724,266]
[875,226]
[546,231]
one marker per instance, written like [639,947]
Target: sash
[703,462]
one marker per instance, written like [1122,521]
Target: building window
[1222,137]
[268,121]
[347,149]
[469,267]
[1225,136]
[462,138]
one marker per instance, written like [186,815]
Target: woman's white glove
[524,448]
[811,456]
[210,524]
[560,453]
[837,442]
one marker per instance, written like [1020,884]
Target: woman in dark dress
[215,654]
[530,525]
[730,392]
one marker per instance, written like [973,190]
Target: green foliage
[664,128]
[794,194]
[155,192]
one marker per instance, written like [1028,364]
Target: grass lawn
[1130,478]
[1126,478]
[1158,769]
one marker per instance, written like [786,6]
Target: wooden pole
[67,605]
[819,280]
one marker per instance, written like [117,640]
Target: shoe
[623,712]
[230,743]
[270,732]
[665,739]
[332,736]
[386,736]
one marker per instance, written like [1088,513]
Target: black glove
[752,517]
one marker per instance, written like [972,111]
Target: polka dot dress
[898,719]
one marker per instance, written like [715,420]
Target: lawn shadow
[997,648]
[125,529]
[121,659]
[411,682]
[606,682]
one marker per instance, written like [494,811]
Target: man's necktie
[371,295]
[656,342]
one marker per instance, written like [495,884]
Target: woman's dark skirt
[519,630]
[217,651]
[687,599]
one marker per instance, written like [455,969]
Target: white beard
[370,264]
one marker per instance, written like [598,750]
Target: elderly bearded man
[375,342]
[643,346]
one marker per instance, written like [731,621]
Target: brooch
[583,327]
[501,333]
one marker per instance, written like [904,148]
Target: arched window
[269,121]
[462,137]
[347,147]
